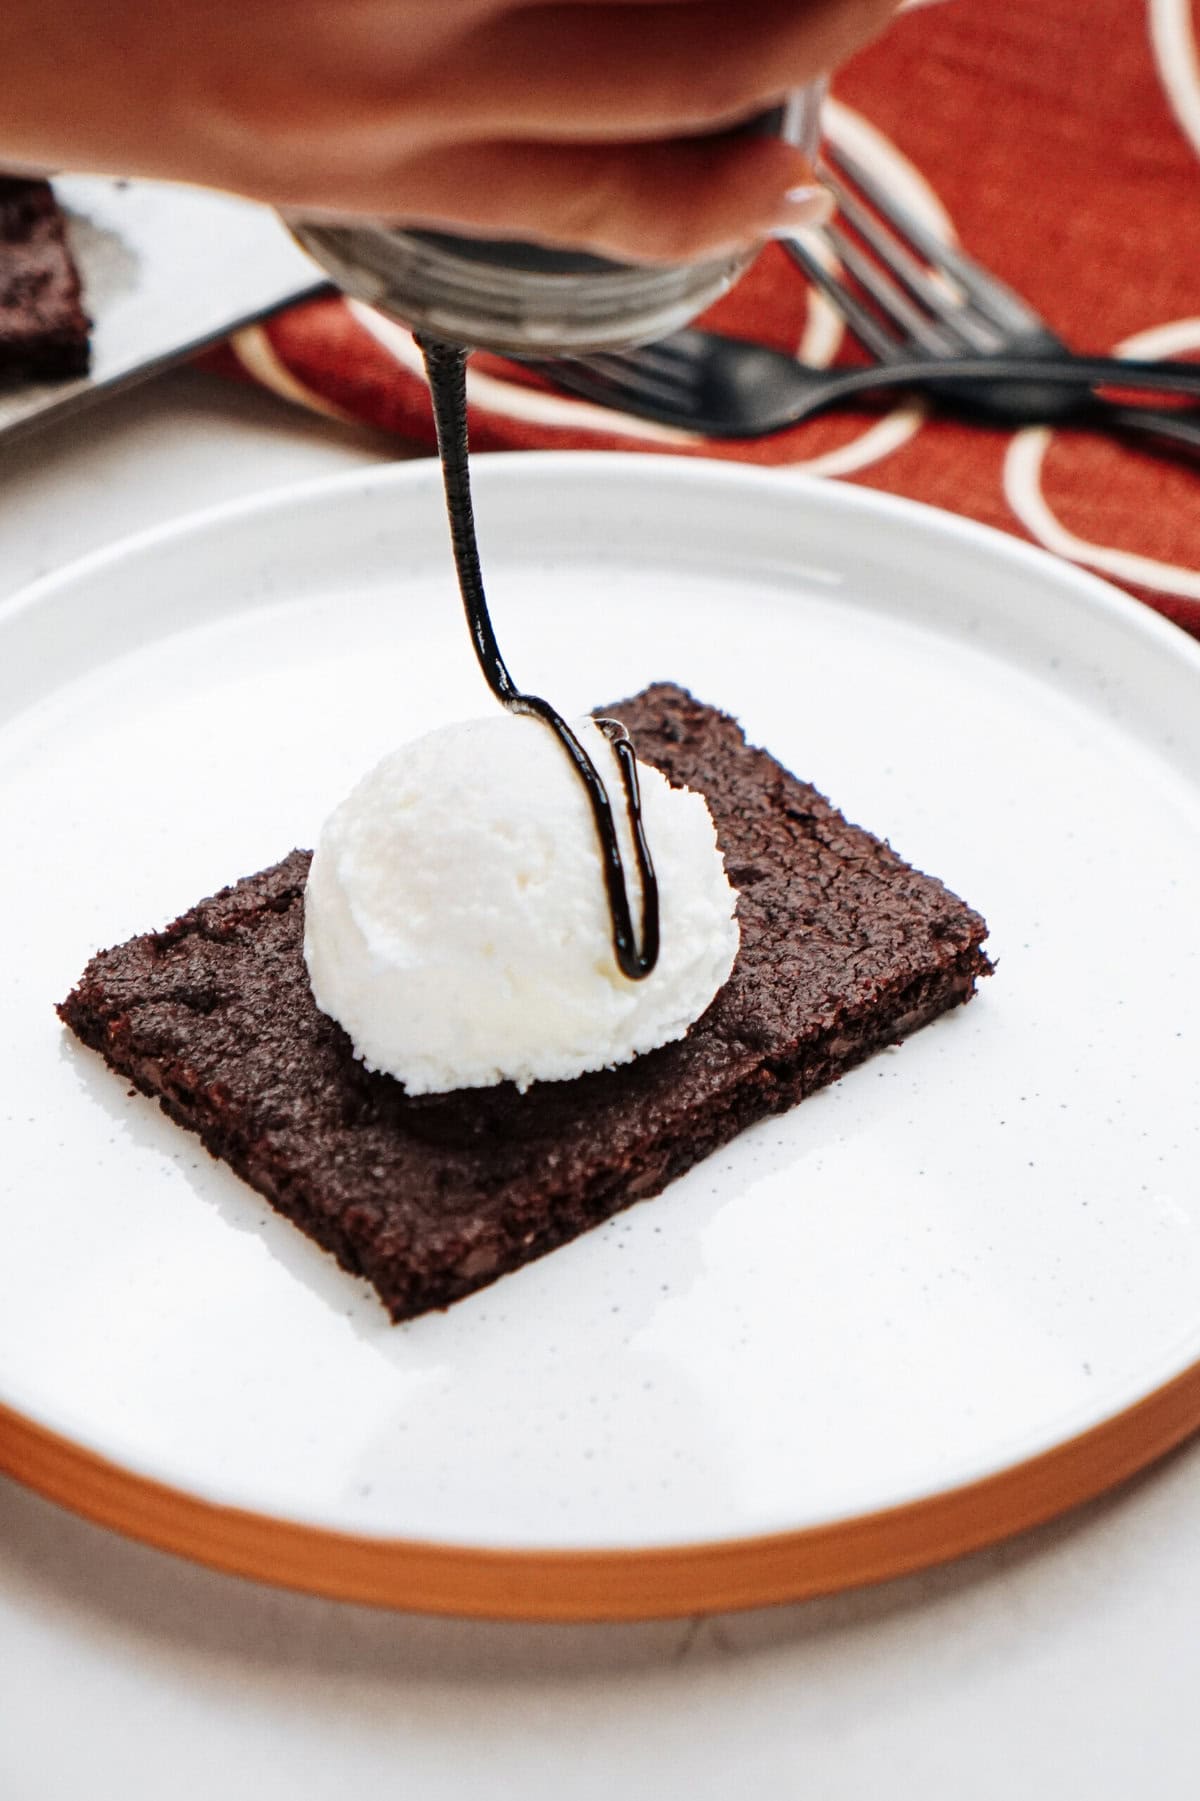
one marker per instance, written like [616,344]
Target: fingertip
[803,209]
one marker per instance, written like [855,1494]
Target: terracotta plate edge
[655,1583]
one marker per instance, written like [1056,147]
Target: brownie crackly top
[844,948]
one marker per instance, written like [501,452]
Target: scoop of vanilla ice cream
[456,922]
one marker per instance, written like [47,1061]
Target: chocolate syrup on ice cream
[445,366]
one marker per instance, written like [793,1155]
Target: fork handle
[1164,377]
[1169,427]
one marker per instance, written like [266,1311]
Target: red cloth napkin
[1061,143]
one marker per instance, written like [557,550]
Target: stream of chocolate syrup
[445,366]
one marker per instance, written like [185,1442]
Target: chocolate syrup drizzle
[445,366]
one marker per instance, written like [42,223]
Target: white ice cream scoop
[456,922]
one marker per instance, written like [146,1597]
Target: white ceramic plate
[969,1252]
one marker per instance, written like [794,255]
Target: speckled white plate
[976,1251]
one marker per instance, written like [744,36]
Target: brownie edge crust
[844,949]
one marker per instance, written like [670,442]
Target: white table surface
[1063,1665]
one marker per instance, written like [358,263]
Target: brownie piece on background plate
[844,949]
[43,327]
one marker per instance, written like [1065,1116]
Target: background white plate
[970,1250]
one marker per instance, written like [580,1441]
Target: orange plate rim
[610,1584]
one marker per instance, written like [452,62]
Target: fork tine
[633,377]
[674,356]
[886,204]
[891,300]
[993,299]
[958,327]
[868,329]
[624,383]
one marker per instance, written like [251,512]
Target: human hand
[572,122]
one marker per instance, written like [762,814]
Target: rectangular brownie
[43,327]
[844,949]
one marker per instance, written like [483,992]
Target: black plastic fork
[718,387]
